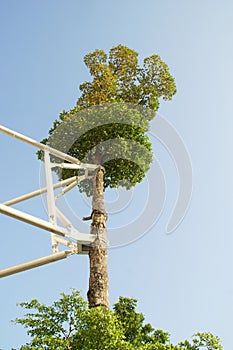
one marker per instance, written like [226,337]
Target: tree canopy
[108,124]
[69,324]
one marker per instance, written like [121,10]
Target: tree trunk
[98,255]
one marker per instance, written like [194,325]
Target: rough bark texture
[98,256]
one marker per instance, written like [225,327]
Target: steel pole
[43,147]
[35,263]
[30,219]
[41,191]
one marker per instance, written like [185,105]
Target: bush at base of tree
[68,324]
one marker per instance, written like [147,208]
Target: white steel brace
[35,263]
[65,235]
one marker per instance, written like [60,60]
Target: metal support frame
[65,235]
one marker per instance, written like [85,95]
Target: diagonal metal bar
[43,147]
[40,191]
[63,219]
[30,219]
[84,238]
[35,263]
[67,189]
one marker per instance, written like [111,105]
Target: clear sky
[184,280]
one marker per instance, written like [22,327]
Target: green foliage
[100,330]
[119,78]
[132,322]
[53,327]
[112,116]
[68,324]
[203,340]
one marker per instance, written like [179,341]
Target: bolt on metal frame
[65,235]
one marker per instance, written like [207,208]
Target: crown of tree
[109,122]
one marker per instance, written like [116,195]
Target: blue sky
[184,280]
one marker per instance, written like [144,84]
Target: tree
[68,324]
[107,127]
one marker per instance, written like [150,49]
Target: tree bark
[98,255]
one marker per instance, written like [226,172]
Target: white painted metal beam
[41,191]
[63,219]
[50,191]
[39,145]
[43,147]
[30,219]
[84,238]
[68,188]
[35,263]
[66,243]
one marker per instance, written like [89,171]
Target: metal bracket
[77,242]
